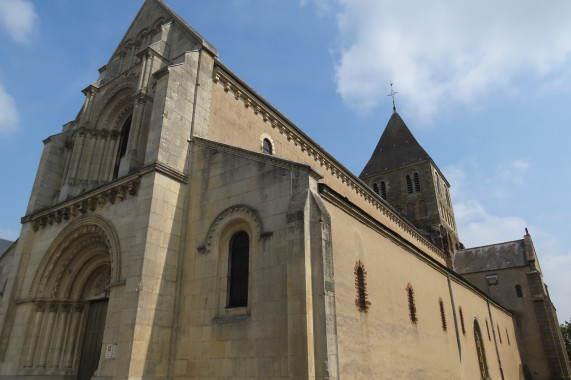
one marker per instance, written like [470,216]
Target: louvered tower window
[375,188]
[409,188]
[383,190]
[416,183]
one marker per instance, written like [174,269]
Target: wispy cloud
[446,51]
[18,17]
[8,112]
[478,227]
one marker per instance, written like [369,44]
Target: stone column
[63,323]
[48,328]
[40,308]
[77,153]
[73,330]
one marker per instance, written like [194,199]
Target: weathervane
[392,94]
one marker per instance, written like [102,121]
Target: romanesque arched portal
[69,293]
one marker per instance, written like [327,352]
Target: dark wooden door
[93,339]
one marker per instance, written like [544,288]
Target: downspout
[455,317]
[495,340]
[184,223]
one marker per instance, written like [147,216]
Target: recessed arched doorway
[70,295]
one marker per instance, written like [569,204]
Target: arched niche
[87,245]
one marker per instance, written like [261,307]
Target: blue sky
[484,87]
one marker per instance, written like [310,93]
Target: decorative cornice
[253,101]
[333,197]
[344,204]
[90,201]
[170,172]
[258,156]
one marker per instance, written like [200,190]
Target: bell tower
[403,174]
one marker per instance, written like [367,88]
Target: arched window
[416,182]
[480,351]
[409,188]
[123,141]
[508,337]
[375,188]
[518,291]
[361,285]
[383,190]
[499,333]
[411,305]
[488,329]
[462,320]
[442,314]
[267,147]
[239,269]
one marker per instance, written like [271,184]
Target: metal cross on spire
[392,94]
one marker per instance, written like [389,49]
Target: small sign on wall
[110,351]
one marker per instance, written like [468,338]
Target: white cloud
[18,18]
[445,51]
[8,112]
[477,227]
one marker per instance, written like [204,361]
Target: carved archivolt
[234,213]
[121,91]
[109,108]
[89,237]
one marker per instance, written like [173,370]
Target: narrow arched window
[239,269]
[462,320]
[408,184]
[480,351]
[361,285]
[411,305]
[508,337]
[383,190]
[267,147]
[518,291]
[442,315]
[488,329]
[375,188]
[416,182]
[123,142]
[499,333]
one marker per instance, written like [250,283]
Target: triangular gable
[154,13]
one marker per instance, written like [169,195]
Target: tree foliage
[566,331]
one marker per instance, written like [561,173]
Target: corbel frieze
[83,205]
[294,135]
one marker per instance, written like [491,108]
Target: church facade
[181,227]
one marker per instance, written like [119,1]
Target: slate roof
[396,148]
[4,245]
[490,257]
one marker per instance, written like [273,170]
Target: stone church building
[181,227]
